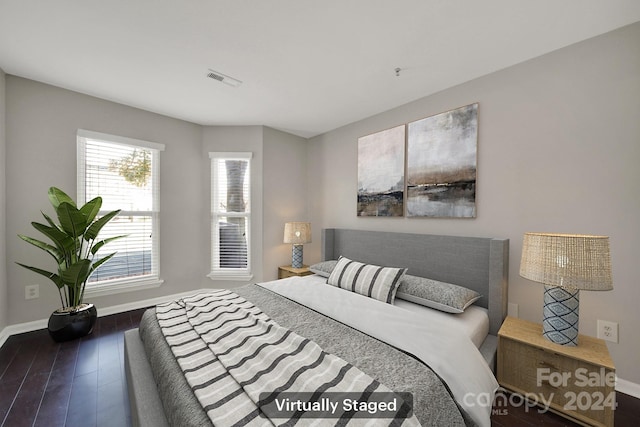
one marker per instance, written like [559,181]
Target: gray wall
[3,181]
[41,152]
[42,122]
[285,195]
[558,151]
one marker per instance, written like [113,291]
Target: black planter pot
[72,324]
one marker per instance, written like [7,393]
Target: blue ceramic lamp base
[296,256]
[560,315]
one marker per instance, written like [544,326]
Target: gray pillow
[369,280]
[323,268]
[434,294]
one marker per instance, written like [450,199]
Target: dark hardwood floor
[76,383]
[627,414]
[82,383]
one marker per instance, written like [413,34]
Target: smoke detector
[216,75]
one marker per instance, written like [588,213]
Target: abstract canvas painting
[441,164]
[381,173]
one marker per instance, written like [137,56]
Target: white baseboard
[121,308]
[22,328]
[3,336]
[107,311]
[627,387]
[623,386]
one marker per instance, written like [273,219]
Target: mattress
[474,322]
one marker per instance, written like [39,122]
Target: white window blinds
[125,173]
[230,214]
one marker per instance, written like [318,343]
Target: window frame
[216,272]
[126,284]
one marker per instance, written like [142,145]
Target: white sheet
[451,355]
[474,322]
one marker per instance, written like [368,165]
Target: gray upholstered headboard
[477,263]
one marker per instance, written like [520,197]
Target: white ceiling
[307,66]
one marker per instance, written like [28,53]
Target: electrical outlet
[608,331]
[32,291]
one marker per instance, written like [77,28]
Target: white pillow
[323,268]
[442,296]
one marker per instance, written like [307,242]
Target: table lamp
[297,233]
[565,264]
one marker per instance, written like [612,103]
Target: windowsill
[121,287]
[240,277]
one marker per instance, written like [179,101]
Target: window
[230,216]
[125,173]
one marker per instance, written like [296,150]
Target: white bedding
[474,322]
[452,355]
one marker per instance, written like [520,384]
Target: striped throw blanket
[236,359]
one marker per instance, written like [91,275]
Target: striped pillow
[369,280]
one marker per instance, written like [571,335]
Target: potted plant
[75,245]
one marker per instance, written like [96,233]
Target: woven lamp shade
[297,233]
[570,261]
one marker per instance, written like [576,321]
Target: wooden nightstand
[288,271]
[578,381]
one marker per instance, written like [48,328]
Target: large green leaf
[101,261]
[57,196]
[61,239]
[96,247]
[52,276]
[71,219]
[91,209]
[50,221]
[76,274]
[94,229]
[51,250]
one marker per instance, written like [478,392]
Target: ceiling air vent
[216,75]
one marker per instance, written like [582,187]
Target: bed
[480,264]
